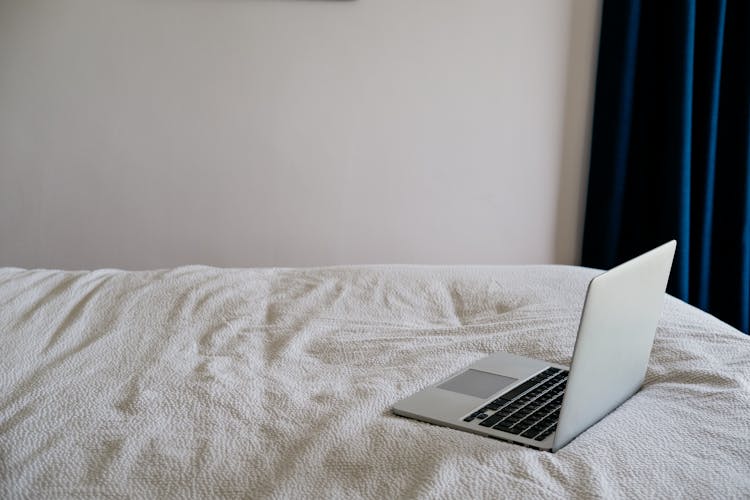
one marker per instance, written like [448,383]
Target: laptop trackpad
[477,383]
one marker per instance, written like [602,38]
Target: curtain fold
[670,152]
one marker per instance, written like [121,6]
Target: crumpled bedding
[277,383]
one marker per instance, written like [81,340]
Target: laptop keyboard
[530,410]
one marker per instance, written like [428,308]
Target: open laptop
[545,405]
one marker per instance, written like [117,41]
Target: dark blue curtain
[670,153]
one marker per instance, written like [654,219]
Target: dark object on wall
[670,155]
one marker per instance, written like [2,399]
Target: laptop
[546,405]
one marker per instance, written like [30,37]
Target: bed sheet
[277,383]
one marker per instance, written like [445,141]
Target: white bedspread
[204,382]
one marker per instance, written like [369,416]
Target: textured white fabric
[204,382]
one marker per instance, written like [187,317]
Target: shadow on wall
[576,131]
[245,1]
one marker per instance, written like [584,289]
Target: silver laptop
[545,405]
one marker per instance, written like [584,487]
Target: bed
[202,382]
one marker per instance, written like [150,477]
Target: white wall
[154,133]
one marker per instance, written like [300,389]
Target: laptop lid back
[615,337]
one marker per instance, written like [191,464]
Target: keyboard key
[530,433]
[544,434]
[490,421]
[547,422]
[523,423]
[531,409]
[473,416]
[502,427]
[519,390]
